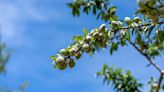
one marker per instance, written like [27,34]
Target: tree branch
[139,26]
[152,63]
[147,57]
[160,80]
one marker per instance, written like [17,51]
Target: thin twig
[152,63]
[147,57]
[139,26]
[160,81]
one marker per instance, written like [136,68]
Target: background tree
[145,33]
[4,58]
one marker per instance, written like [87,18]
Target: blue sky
[37,29]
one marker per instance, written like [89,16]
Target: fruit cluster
[93,41]
[152,9]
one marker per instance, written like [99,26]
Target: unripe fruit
[60,59]
[113,11]
[114,24]
[161,12]
[64,52]
[73,51]
[127,20]
[87,39]
[60,62]
[141,3]
[96,35]
[151,2]
[61,65]
[71,63]
[122,32]
[154,13]
[109,33]
[102,28]
[78,55]
[86,47]
[101,43]
[154,85]
[155,21]
[134,25]
[119,23]
[136,19]
[101,35]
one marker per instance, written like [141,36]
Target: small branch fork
[152,62]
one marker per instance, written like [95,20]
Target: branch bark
[160,81]
[152,62]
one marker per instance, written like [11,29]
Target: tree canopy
[145,32]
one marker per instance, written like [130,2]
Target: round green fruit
[114,24]
[141,3]
[134,25]
[61,65]
[60,59]
[151,3]
[72,51]
[64,52]
[78,55]
[86,47]
[102,28]
[119,23]
[87,38]
[101,43]
[96,35]
[127,20]
[161,12]
[136,19]
[154,85]
[71,64]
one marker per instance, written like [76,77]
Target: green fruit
[122,32]
[78,55]
[96,35]
[113,11]
[61,65]
[155,21]
[119,23]
[127,20]
[87,39]
[64,52]
[72,51]
[60,59]
[114,24]
[86,47]
[71,64]
[161,12]
[136,19]
[141,3]
[154,85]
[101,35]
[101,43]
[102,28]
[151,2]
[134,25]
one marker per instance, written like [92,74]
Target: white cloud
[14,16]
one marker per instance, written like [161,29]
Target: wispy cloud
[14,17]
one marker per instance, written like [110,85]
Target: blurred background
[33,30]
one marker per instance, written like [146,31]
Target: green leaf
[85,31]
[128,35]
[78,38]
[53,58]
